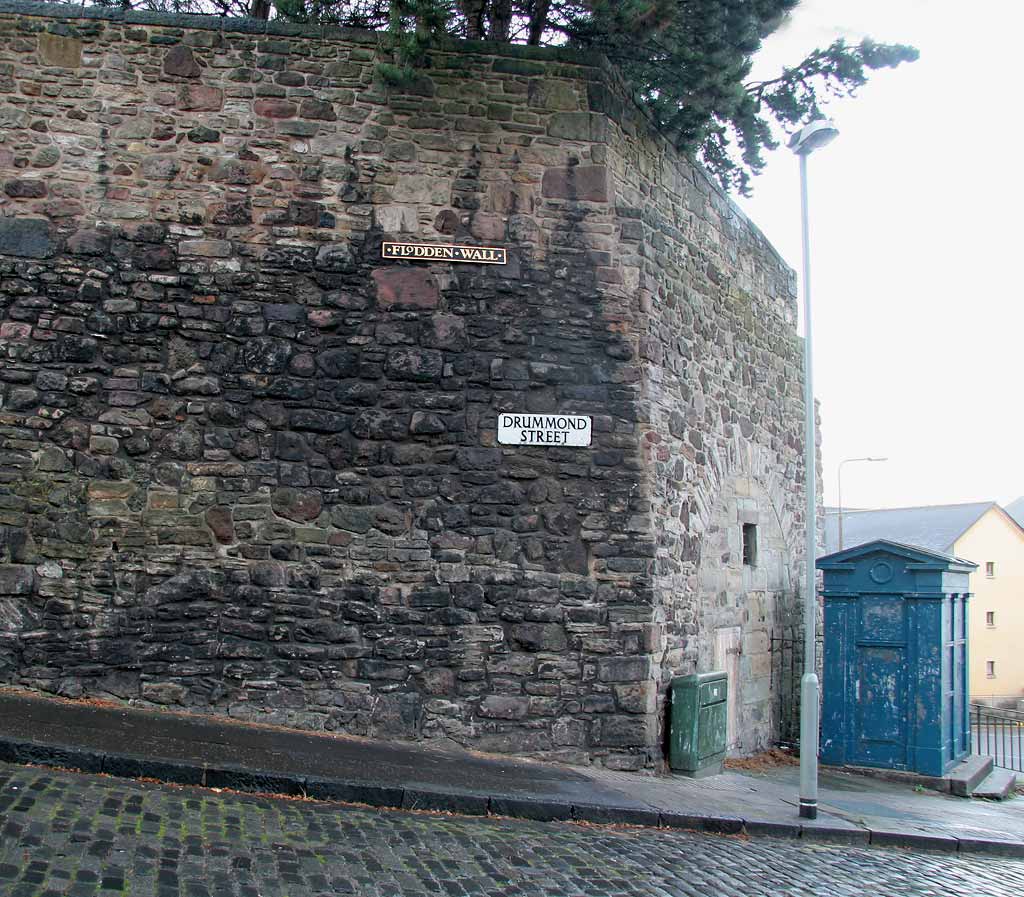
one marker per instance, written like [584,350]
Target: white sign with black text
[544,429]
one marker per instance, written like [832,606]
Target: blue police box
[895,658]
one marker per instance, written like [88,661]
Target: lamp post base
[809,738]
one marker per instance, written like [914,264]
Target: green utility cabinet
[697,727]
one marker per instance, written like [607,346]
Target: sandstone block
[275,108]
[583,126]
[583,183]
[218,518]
[60,50]
[200,98]
[405,288]
[548,93]
[181,61]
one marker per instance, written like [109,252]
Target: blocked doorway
[746,592]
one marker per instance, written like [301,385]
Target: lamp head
[813,136]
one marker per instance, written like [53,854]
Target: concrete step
[964,777]
[996,785]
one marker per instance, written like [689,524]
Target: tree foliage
[687,61]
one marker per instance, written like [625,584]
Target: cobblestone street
[66,833]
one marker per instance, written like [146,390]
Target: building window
[990,569]
[990,669]
[990,618]
[750,544]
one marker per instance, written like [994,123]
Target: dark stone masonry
[248,466]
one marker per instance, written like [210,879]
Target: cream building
[981,532]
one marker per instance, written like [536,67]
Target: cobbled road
[66,833]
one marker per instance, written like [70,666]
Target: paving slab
[201,750]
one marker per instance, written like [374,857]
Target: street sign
[440,252]
[544,429]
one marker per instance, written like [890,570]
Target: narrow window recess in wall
[750,544]
[990,669]
[990,618]
[990,569]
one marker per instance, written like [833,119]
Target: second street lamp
[804,142]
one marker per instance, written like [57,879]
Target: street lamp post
[839,478]
[803,143]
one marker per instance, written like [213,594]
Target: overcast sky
[916,249]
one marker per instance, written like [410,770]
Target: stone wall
[249,467]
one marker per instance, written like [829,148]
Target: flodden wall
[249,464]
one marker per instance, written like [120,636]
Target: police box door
[880,694]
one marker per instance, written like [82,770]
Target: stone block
[552,94]
[88,242]
[61,50]
[160,168]
[623,669]
[405,288]
[540,636]
[582,126]
[181,62]
[319,421]
[202,134]
[423,365]
[636,697]
[221,524]
[200,98]
[275,108]
[16,579]
[298,505]
[25,188]
[321,110]
[623,731]
[219,249]
[581,183]
[504,707]
[338,363]
[26,238]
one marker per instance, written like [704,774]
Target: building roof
[1016,510]
[935,527]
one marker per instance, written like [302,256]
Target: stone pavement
[198,750]
[64,833]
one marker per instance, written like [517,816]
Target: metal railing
[787,666]
[998,734]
